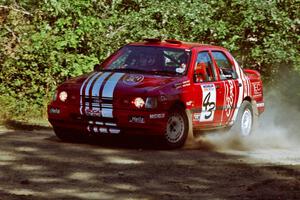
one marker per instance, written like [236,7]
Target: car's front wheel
[177,129]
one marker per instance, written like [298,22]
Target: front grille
[96,124]
[97,100]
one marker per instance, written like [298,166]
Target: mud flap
[190,137]
[255,116]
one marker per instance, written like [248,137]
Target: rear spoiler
[251,73]
[158,40]
[152,40]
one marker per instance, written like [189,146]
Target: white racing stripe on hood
[109,87]
[87,89]
[108,92]
[81,91]
[98,84]
[93,85]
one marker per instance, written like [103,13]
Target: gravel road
[36,165]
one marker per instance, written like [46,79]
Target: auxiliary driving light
[138,102]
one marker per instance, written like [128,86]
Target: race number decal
[208,102]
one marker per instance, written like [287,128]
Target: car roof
[175,44]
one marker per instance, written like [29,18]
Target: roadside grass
[33,124]
[21,114]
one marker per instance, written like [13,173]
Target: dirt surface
[36,165]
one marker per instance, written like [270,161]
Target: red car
[165,88]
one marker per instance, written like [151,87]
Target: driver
[147,60]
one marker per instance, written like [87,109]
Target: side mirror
[97,67]
[227,74]
[200,73]
[198,78]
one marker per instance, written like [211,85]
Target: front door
[209,93]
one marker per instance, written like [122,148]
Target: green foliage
[43,43]
[14,109]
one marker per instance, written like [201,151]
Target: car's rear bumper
[122,122]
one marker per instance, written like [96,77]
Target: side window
[225,68]
[204,70]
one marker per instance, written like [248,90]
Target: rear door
[228,79]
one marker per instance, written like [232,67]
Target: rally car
[164,88]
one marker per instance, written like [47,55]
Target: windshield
[149,59]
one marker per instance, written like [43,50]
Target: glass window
[150,59]
[204,70]
[225,68]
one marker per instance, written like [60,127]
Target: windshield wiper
[124,70]
[161,72]
[130,70]
[165,72]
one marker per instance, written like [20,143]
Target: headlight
[138,102]
[151,102]
[63,96]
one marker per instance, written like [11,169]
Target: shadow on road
[36,165]
[18,125]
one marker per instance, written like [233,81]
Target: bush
[46,42]
[13,109]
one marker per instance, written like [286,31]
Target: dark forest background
[45,42]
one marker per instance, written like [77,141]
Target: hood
[108,84]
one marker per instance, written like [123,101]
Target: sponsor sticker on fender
[137,119]
[182,84]
[197,117]
[54,111]
[157,116]
[133,79]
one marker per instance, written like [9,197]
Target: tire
[67,135]
[176,129]
[244,124]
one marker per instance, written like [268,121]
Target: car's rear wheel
[177,129]
[245,120]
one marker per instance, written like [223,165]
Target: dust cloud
[278,128]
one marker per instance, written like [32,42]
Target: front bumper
[123,121]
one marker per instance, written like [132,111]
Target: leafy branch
[15,9]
